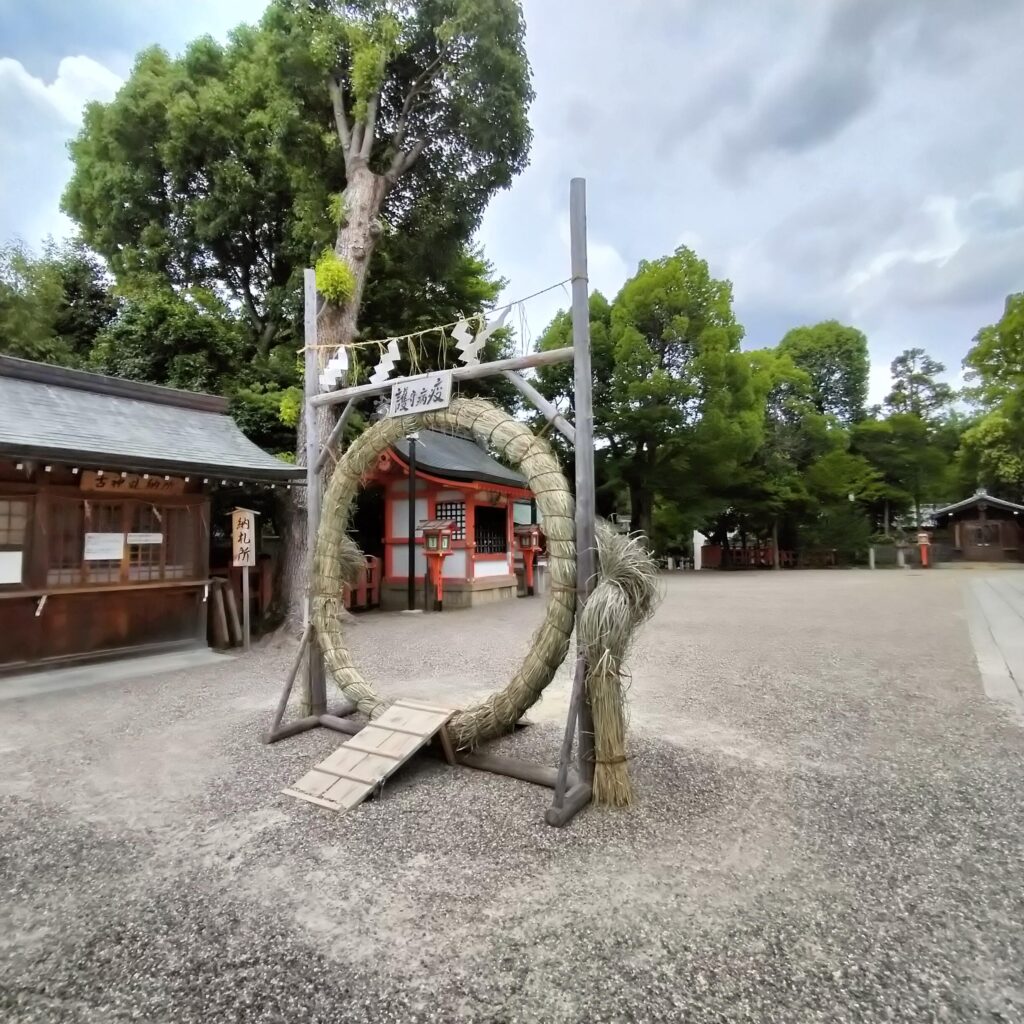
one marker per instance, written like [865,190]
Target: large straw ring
[336,553]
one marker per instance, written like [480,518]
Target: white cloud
[79,80]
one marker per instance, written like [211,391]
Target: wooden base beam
[339,724]
[511,767]
[297,725]
[575,800]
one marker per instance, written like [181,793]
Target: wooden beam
[339,724]
[338,427]
[575,800]
[565,754]
[512,767]
[289,682]
[551,358]
[550,413]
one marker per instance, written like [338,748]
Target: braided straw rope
[338,560]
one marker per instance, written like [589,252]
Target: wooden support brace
[336,431]
[575,800]
[550,413]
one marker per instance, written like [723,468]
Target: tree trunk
[640,508]
[336,325]
[776,559]
[357,238]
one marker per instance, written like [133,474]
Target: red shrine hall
[460,488]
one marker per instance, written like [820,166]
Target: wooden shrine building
[982,528]
[456,481]
[105,513]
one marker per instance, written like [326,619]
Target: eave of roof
[458,458]
[51,414]
[978,498]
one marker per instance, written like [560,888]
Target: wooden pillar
[317,692]
[586,551]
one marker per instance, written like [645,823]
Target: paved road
[830,827]
[995,605]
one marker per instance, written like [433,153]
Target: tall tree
[916,389]
[361,128]
[994,445]
[53,306]
[835,357]
[674,403]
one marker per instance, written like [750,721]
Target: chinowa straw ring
[623,596]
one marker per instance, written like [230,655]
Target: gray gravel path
[830,828]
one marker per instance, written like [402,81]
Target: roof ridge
[103,384]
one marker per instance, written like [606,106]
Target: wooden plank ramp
[347,777]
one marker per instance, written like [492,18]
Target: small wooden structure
[105,512]
[359,766]
[456,480]
[982,528]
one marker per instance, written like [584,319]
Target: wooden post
[234,626]
[586,551]
[317,692]
[411,582]
[245,607]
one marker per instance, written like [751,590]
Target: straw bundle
[624,597]
[337,557]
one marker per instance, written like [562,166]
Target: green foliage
[843,528]
[184,340]
[916,391]
[674,400]
[334,278]
[993,447]
[336,205]
[52,306]
[835,358]
[290,406]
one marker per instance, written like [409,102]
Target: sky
[852,159]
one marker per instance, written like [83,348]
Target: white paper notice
[101,547]
[145,538]
[10,566]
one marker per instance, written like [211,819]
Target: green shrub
[334,279]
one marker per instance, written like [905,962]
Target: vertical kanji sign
[243,537]
[243,556]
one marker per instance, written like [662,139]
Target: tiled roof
[49,412]
[979,497]
[458,458]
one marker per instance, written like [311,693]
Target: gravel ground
[830,828]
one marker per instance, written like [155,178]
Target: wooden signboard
[131,483]
[421,394]
[243,555]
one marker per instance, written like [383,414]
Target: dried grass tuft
[624,597]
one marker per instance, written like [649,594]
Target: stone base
[457,593]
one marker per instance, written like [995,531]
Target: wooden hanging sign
[131,483]
[426,393]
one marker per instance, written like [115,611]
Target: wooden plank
[412,720]
[408,702]
[353,745]
[446,744]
